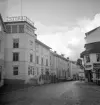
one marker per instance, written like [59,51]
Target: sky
[61,24]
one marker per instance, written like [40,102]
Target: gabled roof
[4,29]
[92,31]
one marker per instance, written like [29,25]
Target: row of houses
[25,59]
[91,56]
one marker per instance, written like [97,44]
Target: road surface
[65,93]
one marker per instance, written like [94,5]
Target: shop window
[16,43]
[98,73]
[87,58]
[14,28]
[15,70]
[98,57]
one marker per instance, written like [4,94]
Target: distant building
[42,61]
[91,56]
[2,36]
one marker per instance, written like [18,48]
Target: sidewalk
[14,87]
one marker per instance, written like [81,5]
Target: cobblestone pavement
[66,93]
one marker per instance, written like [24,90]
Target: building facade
[2,36]
[91,56]
[42,61]
[19,50]
[25,59]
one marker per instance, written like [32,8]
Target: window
[46,62]
[31,42]
[42,61]
[15,56]
[87,58]
[98,57]
[15,70]
[21,28]
[30,68]
[33,71]
[0,45]
[42,71]
[37,59]
[16,43]
[14,28]
[0,28]
[8,29]
[31,58]
[37,71]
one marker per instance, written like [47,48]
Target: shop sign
[88,66]
[96,65]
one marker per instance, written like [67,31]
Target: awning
[89,51]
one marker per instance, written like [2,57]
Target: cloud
[67,41]
[87,24]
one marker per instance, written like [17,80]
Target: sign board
[88,66]
[96,65]
[19,18]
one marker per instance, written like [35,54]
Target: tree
[79,63]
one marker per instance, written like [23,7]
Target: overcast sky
[60,24]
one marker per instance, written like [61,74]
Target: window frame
[14,70]
[31,57]
[21,29]
[13,29]
[15,43]
[15,58]
[98,59]
[87,57]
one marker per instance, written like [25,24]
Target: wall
[93,37]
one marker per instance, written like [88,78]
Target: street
[65,93]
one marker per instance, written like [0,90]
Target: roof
[42,44]
[92,31]
[89,51]
[4,29]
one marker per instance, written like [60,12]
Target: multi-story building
[19,49]
[42,61]
[91,55]
[61,68]
[25,58]
[2,35]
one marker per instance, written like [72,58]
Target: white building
[19,50]
[91,55]
[2,35]
[42,60]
